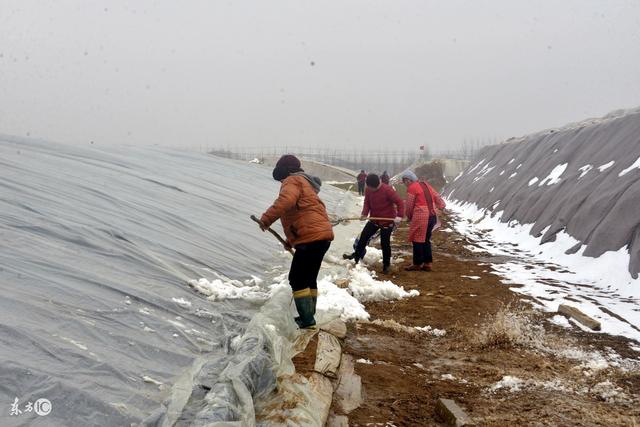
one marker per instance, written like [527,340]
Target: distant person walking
[362,178]
[385,177]
[307,228]
[380,201]
[421,205]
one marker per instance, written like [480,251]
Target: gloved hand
[397,220]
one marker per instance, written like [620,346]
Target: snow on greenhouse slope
[583,180]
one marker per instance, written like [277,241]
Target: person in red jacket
[422,202]
[380,201]
[362,178]
[306,224]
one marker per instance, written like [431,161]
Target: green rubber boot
[305,308]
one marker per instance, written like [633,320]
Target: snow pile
[219,289]
[373,256]
[364,287]
[333,301]
[339,302]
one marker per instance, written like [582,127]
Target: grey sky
[402,73]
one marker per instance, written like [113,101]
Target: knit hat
[285,166]
[289,161]
[409,175]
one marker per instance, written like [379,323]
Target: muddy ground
[502,362]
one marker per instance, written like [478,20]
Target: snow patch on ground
[605,390]
[550,275]
[509,383]
[560,321]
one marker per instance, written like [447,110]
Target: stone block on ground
[452,414]
[579,316]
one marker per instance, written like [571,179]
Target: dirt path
[503,363]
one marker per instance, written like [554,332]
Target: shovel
[275,233]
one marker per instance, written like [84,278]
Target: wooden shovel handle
[275,233]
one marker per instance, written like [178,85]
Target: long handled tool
[358,218]
[275,233]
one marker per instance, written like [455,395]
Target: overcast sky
[323,73]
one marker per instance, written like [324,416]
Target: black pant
[385,241]
[361,188]
[422,251]
[306,263]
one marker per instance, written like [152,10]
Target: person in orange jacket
[306,225]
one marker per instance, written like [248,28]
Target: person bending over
[380,201]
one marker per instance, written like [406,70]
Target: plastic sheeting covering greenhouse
[101,251]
